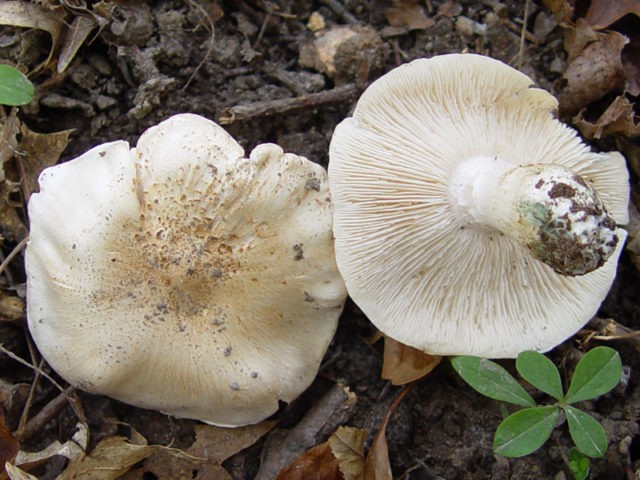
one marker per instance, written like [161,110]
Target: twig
[280,449]
[609,330]
[523,32]
[281,75]
[339,9]
[21,244]
[44,416]
[265,108]
[32,391]
[211,43]
[263,29]
[39,372]
[13,356]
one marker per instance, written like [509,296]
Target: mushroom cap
[181,276]
[421,274]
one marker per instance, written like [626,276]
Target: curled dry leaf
[618,119]
[37,152]
[594,72]
[29,15]
[602,13]
[111,458]
[340,457]
[75,37]
[403,364]
[319,462]
[72,449]
[408,14]
[377,466]
[347,446]
[15,473]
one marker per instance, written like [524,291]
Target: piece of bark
[282,447]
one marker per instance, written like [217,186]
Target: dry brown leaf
[9,444]
[341,457]
[18,13]
[12,228]
[377,466]
[16,473]
[602,13]
[201,461]
[408,14]
[37,152]
[618,119]
[72,449]
[216,444]
[347,446]
[8,140]
[171,464]
[403,364]
[631,63]
[315,464]
[75,37]
[577,38]
[111,458]
[449,9]
[596,71]
[11,307]
[327,413]
[561,9]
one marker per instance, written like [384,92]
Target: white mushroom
[182,277]
[468,220]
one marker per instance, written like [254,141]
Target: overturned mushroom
[181,276]
[468,220]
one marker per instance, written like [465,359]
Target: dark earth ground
[154,60]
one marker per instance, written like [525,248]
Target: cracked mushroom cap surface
[183,277]
[417,261]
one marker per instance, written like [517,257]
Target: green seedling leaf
[578,464]
[586,432]
[15,87]
[525,431]
[596,373]
[491,380]
[540,372]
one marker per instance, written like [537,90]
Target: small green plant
[526,430]
[15,87]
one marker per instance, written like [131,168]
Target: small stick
[281,448]
[13,356]
[266,108]
[21,244]
[281,76]
[27,403]
[210,44]
[525,16]
[263,29]
[339,9]
[44,416]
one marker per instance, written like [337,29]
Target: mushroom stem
[549,209]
